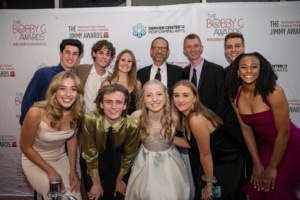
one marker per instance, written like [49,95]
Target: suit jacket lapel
[203,74]
[169,75]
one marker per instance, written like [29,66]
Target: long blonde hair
[54,110]
[166,119]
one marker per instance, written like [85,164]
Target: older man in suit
[168,74]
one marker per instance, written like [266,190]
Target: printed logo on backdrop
[18,102]
[8,141]
[294,105]
[280,67]
[29,34]
[42,65]
[221,26]
[140,30]
[7,70]
[88,31]
[284,27]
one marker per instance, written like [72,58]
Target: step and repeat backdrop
[30,40]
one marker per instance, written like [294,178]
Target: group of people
[163,131]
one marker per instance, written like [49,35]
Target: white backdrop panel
[30,40]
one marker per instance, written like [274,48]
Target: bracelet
[211,181]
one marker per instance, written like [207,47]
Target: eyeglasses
[163,49]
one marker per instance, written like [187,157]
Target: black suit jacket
[210,86]
[174,74]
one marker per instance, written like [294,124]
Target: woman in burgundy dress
[261,105]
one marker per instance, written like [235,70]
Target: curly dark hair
[71,42]
[265,83]
[103,44]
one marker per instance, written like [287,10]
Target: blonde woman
[48,125]
[158,171]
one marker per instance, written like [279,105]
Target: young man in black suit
[209,79]
[168,74]
[209,76]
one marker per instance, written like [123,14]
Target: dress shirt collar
[163,67]
[116,126]
[198,69]
[93,71]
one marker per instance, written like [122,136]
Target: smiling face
[69,57]
[67,93]
[193,49]
[249,68]
[159,52]
[154,97]
[234,47]
[125,63]
[183,99]
[102,57]
[113,106]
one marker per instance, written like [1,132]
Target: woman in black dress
[213,161]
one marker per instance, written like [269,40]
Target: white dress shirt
[91,88]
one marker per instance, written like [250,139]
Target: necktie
[110,164]
[157,75]
[194,77]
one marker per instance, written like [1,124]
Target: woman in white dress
[158,171]
[48,125]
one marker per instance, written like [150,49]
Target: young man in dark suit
[209,76]
[209,79]
[168,74]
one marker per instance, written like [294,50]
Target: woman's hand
[269,178]
[74,181]
[206,194]
[256,178]
[52,174]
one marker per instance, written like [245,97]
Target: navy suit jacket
[174,74]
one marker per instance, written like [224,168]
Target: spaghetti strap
[238,97]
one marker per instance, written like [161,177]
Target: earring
[238,76]
[193,106]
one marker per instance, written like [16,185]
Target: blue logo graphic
[139,30]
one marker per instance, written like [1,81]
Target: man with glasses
[168,74]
